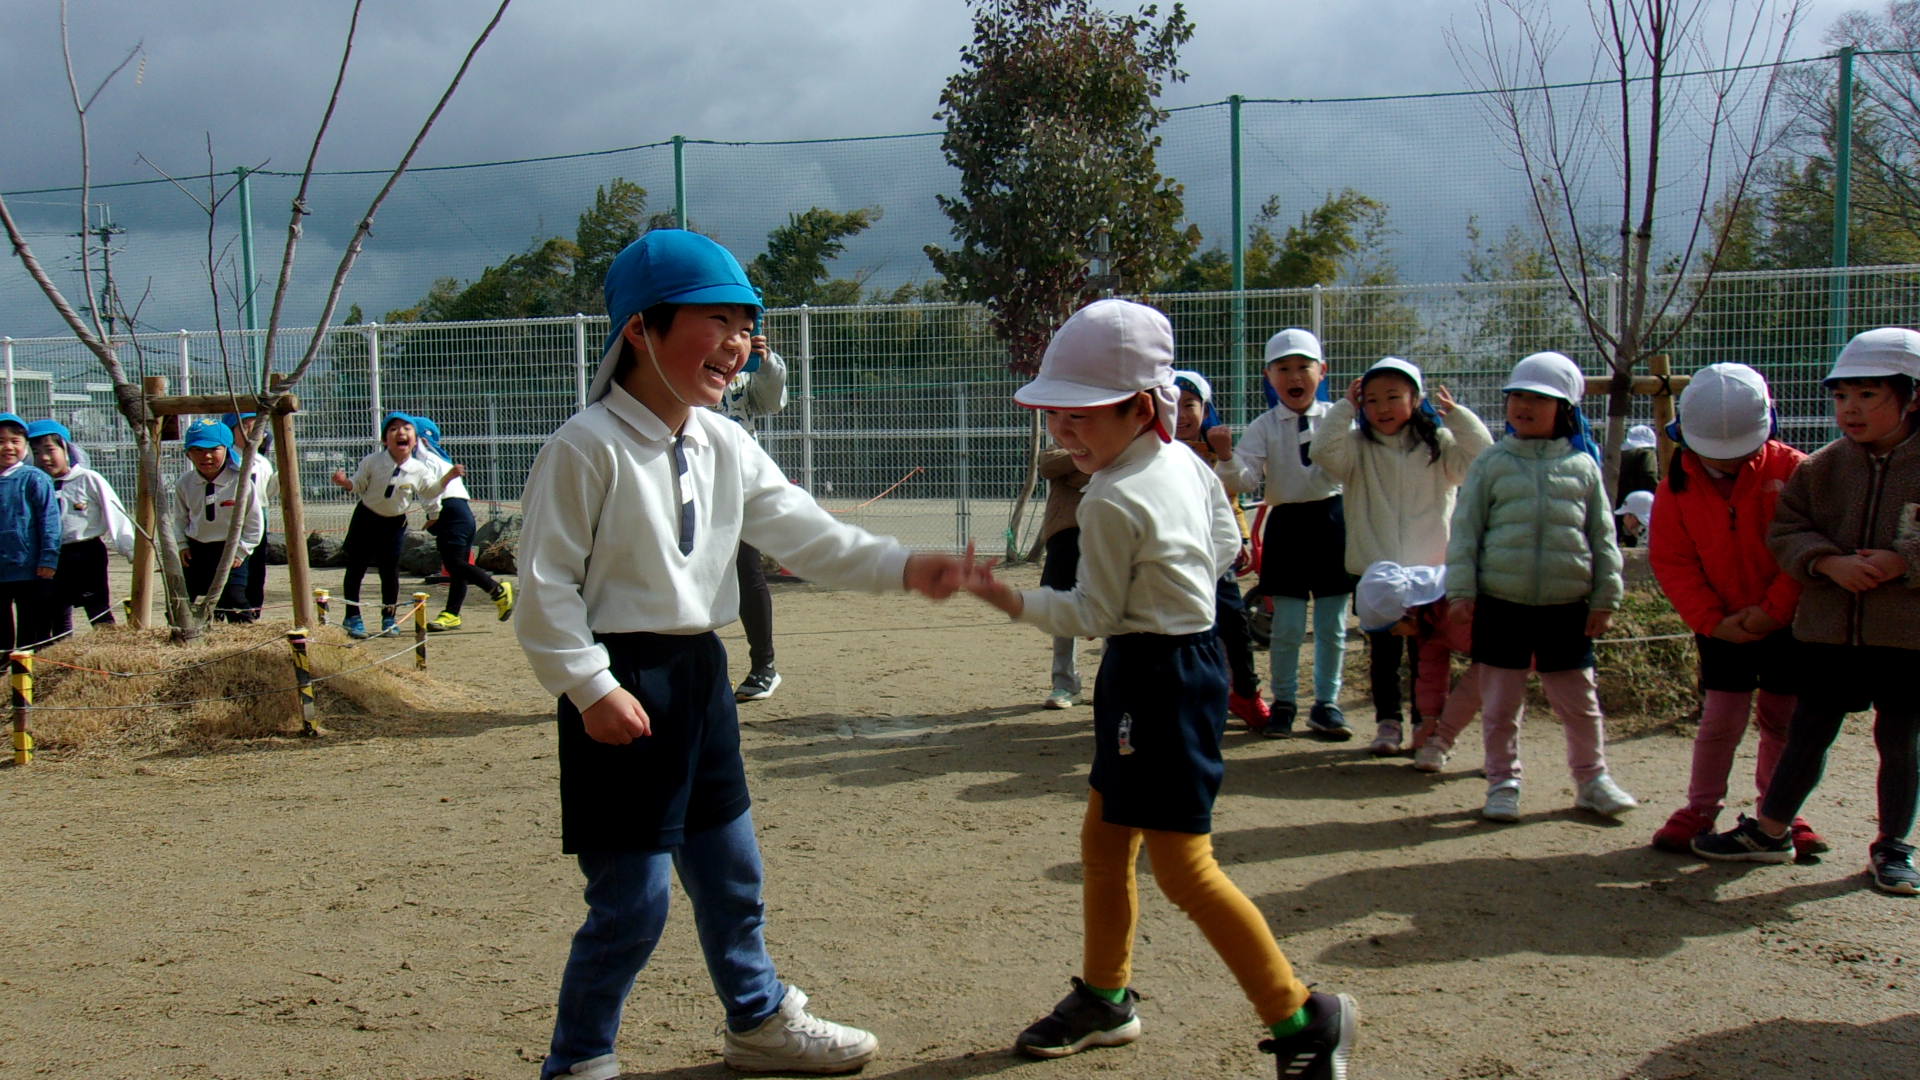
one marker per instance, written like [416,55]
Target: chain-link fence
[901,416]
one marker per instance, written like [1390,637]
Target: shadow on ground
[1792,1050]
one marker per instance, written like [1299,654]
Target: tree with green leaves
[1051,124]
[793,269]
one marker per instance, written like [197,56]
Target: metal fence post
[373,375]
[579,361]
[962,512]
[1842,198]
[679,181]
[806,400]
[493,448]
[186,365]
[1613,304]
[6,352]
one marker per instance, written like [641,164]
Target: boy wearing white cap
[1709,553]
[635,510]
[1156,534]
[1847,527]
[1533,567]
[1303,546]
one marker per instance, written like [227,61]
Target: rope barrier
[911,473]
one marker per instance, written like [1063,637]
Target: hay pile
[250,667]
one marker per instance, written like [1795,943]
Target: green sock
[1113,997]
[1292,1025]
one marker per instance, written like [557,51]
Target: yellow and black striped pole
[320,598]
[420,631]
[303,678]
[20,681]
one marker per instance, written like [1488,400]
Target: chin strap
[658,370]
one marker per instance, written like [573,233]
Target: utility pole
[109,298]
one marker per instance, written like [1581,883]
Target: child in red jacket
[1708,549]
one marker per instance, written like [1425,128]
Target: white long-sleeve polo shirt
[454,488]
[89,508]
[391,488]
[192,501]
[1268,458]
[1156,533]
[599,544]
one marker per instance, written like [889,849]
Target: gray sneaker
[1891,864]
[793,1040]
[1503,802]
[1081,1019]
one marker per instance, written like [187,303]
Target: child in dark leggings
[452,528]
[1847,526]
[389,482]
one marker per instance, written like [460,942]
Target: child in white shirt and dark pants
[634,512]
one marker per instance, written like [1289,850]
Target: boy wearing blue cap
[390,481]
[29,540]
[90,514]
[634,510]
[243,426]
[205,498]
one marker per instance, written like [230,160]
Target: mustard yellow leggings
[1183,863]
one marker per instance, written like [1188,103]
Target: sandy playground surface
[390,900]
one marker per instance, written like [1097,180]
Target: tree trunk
[1019,514]
[1619,404]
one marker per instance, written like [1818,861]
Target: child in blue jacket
[29,540]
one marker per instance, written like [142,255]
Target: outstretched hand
[932,575]
[979,581]
[1443,402]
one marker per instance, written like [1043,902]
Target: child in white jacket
[1399,456]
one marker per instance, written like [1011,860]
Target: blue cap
[49,427]
[9,418]
[208,433]
[400,416]
[667,266]
[233,419]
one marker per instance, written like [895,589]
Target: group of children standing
[1504,550]
[57,518]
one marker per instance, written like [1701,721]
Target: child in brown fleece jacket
[1845,526]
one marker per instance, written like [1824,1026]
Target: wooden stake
[20,681]
[293,518]
[1663,411]
[420,631]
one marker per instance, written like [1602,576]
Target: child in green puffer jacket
[1533,567]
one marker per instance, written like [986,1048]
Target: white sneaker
[1059,699]
[604,1067]
[1431,757]
[1503,802]
[794,1041]
[1604,797]
[1386,739]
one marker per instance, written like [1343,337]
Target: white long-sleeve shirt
[391,488]
[192,500]
[599,547]
[89,508]
[1267,458]
[455,488]
[1156,533]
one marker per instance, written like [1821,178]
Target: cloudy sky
[566,76]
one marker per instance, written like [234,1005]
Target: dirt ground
[390,900]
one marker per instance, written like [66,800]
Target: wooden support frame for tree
[279,409]
[1664,388]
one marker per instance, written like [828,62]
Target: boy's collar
[648,423]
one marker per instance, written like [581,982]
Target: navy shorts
[1159,712]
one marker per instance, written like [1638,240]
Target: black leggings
[373,540]
[1852,680]
[453,538]
[1230,623]
[1384,650]
[756,607]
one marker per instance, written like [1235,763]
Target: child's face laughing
[698,356]
[13,447]
[400,438]
[1095,436]
[1296,379]
[51,455]
[1189,416]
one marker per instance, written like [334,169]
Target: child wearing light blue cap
[633,513]
[389,482]
[29,540]
[90,515]
[205,498]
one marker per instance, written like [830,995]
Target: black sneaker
[1280,720]
[1745,842]
[1891,864]
[759,685]
[1082,1019]
[1318,1051]
[1326,721]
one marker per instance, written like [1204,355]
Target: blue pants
[626,898]
[1329,645]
